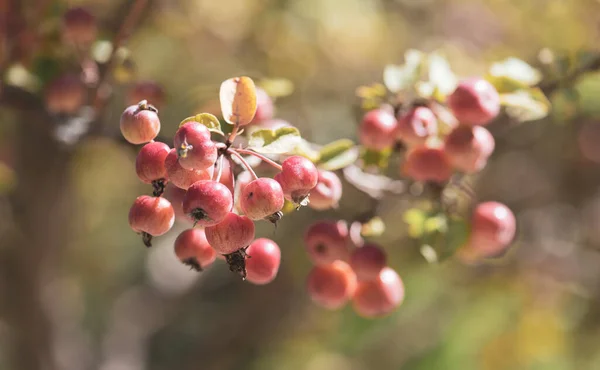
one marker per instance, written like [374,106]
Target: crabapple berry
[231,234]
[150,162]
[368,261]
[264,106]
[152,215]
[139,123]
[192,249]
[175,195]
[493,228]
[327,241]
[208,202]
[379,297]
[332,285]
[327,193]
[79,26]
[261,198]
[181,177]
[415,126]
[427,163]
[377,130]
[469,147]
[65,94]
[146,90]
[264,258]
[297,178]
[474,102]
[194,147]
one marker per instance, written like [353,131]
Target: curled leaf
[280,141]
[238,100]
[211,122]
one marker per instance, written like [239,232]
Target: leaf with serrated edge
[238,100]
[211,122]
[280,141]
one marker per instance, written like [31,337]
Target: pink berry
[139,123]
[79,26]
[377,130]
[427,163]
[469,147]
[264,106]
[368,261]
[231,234]
[175,195]
[262,198]
[208,202]
[65,94]
[146,90]
[150,162]
[332,285]
[415,126]
[192,249]
[152,215]
[379,297]
[181,177]
[327,241]
[297,178]
[327,193]
[262,265]
[493,228]
[194,147]
[474,102]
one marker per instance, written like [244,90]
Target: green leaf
[513,74]
[526,105]
[280,141]
[211,122]
[337,155]
[305,149]
[400,77]
[454,237]
[565,104]
[415,219]
[375,158]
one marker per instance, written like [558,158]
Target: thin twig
[258,155]
[248,167]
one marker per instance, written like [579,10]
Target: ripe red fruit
[474,102]
[379,297]
[264,258]
[469,147]
[79,27]
[297,178]
[175,195]
[368,261]
[150,162]
[152,215]
[192,249]
[146,90]
[377,130]
[264,106]
[427,163]
[65,94]
[262,198]
[208,202]
[493,228]
[415,126]
[194,147]
[327,241]
[139,123]
[327,193]
[181,177]
[231,234]
[332,285]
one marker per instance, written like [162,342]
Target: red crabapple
[264,106]
[181,177]
[150,162]
[264,258]
[327,193]
[474,102]
[327,241]
[175,195]
[65,94]
[377,130]
[368,261]
[332,285]
[146,90]
[79,26]
[427,163]
[262,198]
[379,297]
[493,228]
[139,123]
[194,147]
[297,178]
[152,215]
[415,126]
[231,234]
[208,202]
[469,147]
[192,249]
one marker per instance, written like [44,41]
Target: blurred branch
[549,87]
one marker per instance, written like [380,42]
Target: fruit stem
[219,168]
[262,157]
[232,135]
[248,167]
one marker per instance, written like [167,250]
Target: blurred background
[80,291]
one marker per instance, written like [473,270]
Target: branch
[548,87]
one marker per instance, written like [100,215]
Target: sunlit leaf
[415,219]
[441,76]
[375,158]
[338,154]
[211,122]
[373,227]
[305,149]
[526,105]
[238,100]
[513,74]
[280,141]
[400,77]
